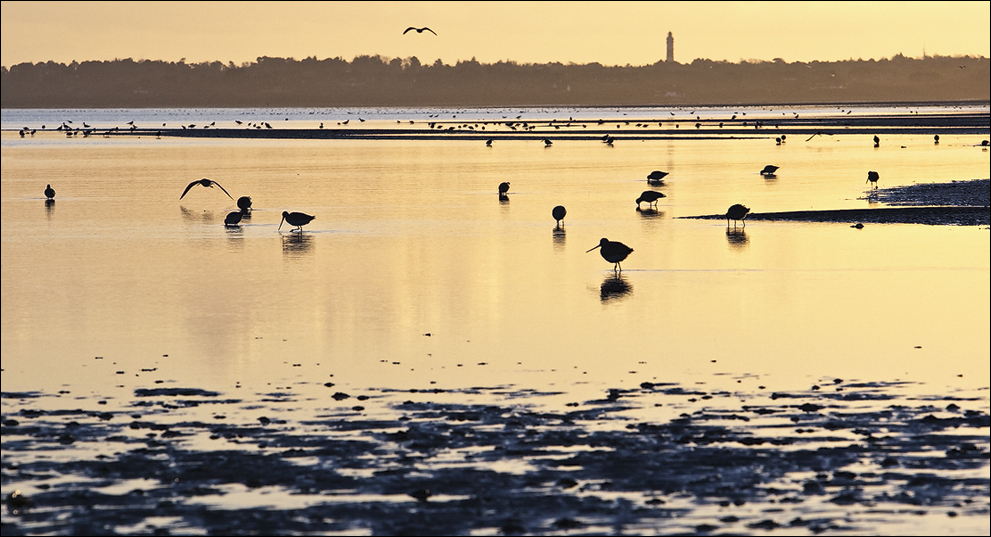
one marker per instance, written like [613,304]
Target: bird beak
[590,249]
[280,223]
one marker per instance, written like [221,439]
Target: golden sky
[610,33]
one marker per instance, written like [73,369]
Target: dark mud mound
[846,458]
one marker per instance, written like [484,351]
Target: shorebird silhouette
[872,178]
[558,214]
[503,188]
[650,197]
[297,220]
[737,212]
[769,169]
[877,141]
[207,183]
[613,252]
[244,203]
[656,177]
[547,142]
[49,192]
[233,218]
[488,143]
[420,30]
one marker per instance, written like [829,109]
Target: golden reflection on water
[411,238]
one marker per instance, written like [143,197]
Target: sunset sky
[610,33]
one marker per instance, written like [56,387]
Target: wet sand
[840,457]
[960,203]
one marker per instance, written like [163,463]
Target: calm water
[411,239]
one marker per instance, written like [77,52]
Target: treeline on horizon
[369,81]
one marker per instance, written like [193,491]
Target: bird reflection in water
[737,238]
[650,213]
[296,243]
[49,207]
[614,287]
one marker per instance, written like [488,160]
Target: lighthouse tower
[670,48]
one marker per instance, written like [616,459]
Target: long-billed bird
[650,197]
[297,220]
[419,30]
[207,183]
[558,214]
[872,178]
[49,192]
[769,169]
[613,252]
[737,212]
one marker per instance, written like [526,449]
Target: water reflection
[295,244]
[193,216]
[49,207]
[650,213]
[558,235]
[737,237]
[614,287]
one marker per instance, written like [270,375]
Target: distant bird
[737,212]
[936,139]
[656,177]
[207,183]
[872,178]
[613,252]
[503,188]
[817,133]
[297,220]
[877,141]
[769,169]
[558,214]
[650,197]
[233,218]
[244,203]
[547,142]
[420,30]
[488,143]
[49,192]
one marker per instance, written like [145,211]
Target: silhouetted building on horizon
[670,48]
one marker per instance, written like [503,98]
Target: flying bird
[49,192]
[737,212]
[297,220]
[613,252]
[420,30]
[207,183]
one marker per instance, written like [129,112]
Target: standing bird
[207,183]
[419,30]
[503,188]
[737,212]
[613,252]
[547,142]
[233,218]
[488,143]
[877,141]
[650,197]
[297,220]
[656,177]
[558,214]
[244,203]
[769,170]
[50,192]
[936,139]
[872,178]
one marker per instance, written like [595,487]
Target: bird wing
[190,185]
[224,189]
[429,30]
[408,29]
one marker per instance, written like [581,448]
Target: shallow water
[414,275]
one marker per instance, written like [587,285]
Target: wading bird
[656,177]
[503,188]
[872,178]
[244,203]
[650,197]
[613,252]
[558,214]
[207,183]
[233,218]
[737,212]
[420,30]
[769,169]
[50,192]
[877,141]
[297,220]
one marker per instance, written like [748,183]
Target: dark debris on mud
[816,461]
